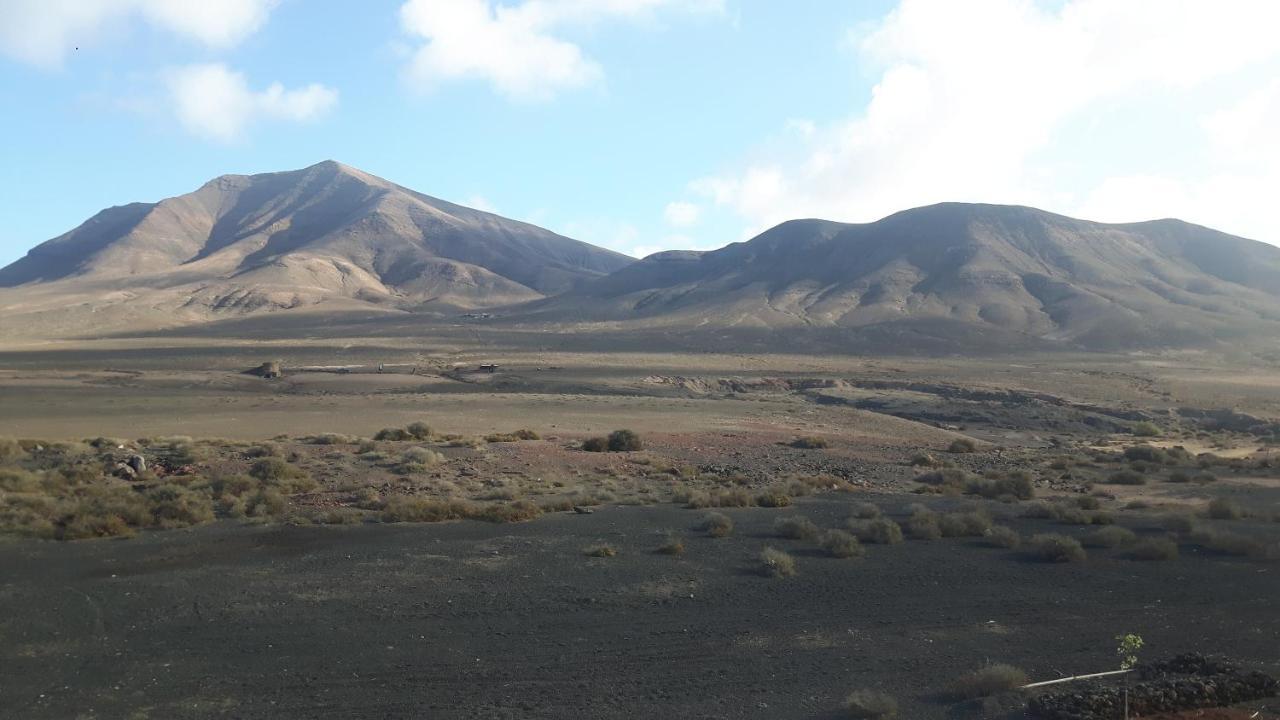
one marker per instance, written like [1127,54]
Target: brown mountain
[998,274]
[326,234]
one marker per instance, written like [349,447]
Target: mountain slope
[326,233]
[957,268]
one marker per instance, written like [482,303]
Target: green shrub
[795,527]
[962,445]
[870,705]
[1145,429]
[624,441]
[987,681]
[1110,537]
[841,544]
[810,442]
[717,525]
[880,531]
[1052,547]
[1154,549]
[776,563]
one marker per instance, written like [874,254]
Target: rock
[582,510]
[125,471]
[138,463]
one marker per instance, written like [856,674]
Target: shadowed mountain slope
[1009,272]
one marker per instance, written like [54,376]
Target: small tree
[1127,647]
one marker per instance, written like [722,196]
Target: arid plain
[481,563]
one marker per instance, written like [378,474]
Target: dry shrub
[971,523]
[962,445]
[276,471]
[1230,543]
[419,458]
[674,545]
[923,460]
[601,551]
[717,525]
[987,681]
[841,544]
[329,439]
[1178,522]
[266,449]
[1126,477]
[595,444]
[1002,536]
[1110,537]
[418,430]
[870,705]
[923,525]
[1014,485]
[624,441]
[399,508]
[776,563]
[1052,547]
[866,510]
[393,435]
[880,531]
[810,442]
[338,516]
[773,498]
[795,527]
[1154,549]
[518,511]
[173,506]
[11,450]
[1088,502]
[1224,509]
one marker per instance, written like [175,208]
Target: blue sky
[650,124]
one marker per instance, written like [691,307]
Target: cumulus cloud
[681,214]
[518,48]
[1114,109]
[215,102]
[42,32]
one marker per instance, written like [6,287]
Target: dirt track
[471,620]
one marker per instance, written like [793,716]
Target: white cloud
[516,47]
[681,214]
[214,102]
[42,32]
[1014,101]
[481,203]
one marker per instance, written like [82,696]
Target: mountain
[326,234]
[1004,274]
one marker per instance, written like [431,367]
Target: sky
[644,125]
